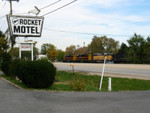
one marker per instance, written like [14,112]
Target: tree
[104,45]
[52,52]
[121,56]
[60,55]
[112,46]
[123,49]
[82,50]
[45,48]
[136,48]
[3,44]
[147,51]
[70,50]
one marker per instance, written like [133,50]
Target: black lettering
[37,30]
[21,21]
[33,30]
[25,22]
[28,29]
[33,22]
[16,29]
[23,29]
[36,22]
[29,22]
[39,22]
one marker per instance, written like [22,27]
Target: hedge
[36,74]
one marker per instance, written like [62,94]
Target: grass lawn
[66,81]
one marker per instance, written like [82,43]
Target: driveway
[14,100]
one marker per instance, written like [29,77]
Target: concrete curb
[11,83]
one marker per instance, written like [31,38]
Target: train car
[99,57]
[82,58]
[78,58]
[69,58]
[121,58]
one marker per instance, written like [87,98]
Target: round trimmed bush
[36,74]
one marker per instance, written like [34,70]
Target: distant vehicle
[41,56]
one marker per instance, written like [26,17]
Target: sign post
[100,87]
[109,84]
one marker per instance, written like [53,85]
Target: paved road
[14,100]
[128,69]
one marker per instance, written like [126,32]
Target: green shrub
[5,60]
[78,84]
[5,67]
[9,67]
[13,67]
[6,57]
[36,74]
[21,70]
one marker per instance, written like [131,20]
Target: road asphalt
[15,100]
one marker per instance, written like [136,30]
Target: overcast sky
[80,21]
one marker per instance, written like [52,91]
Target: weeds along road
[121,70]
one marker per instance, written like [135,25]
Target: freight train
[91,58]
[97,58]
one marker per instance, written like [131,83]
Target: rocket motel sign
[28,26]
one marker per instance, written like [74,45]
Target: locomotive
[91,58]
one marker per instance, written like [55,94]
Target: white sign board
[29,26]
[25,47]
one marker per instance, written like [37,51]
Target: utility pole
[10,7]
[12,37]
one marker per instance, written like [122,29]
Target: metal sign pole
[31,51]
[100,87]
[109,84]
[20,51]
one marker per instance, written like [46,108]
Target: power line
[59,8]
[84,33]
[20,13]
[22,3]
[50,4]
[4,4]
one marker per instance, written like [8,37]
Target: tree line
[136,50]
